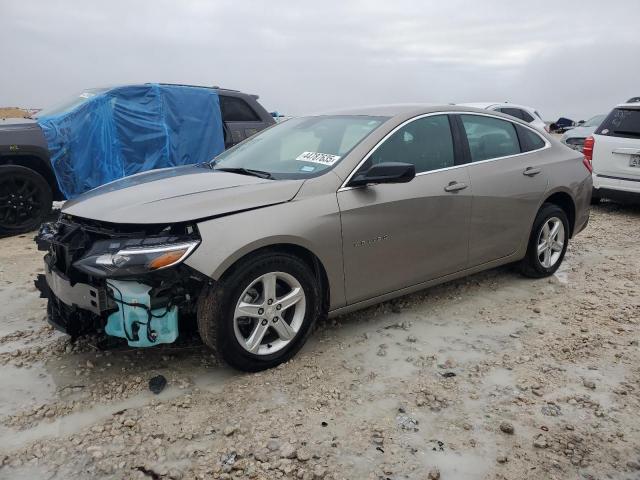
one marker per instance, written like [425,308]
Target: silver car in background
[575,137]
[522,112]
[319,215]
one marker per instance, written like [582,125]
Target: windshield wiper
[245,171]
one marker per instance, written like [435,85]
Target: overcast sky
[570,58]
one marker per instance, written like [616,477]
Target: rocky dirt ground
[491,377]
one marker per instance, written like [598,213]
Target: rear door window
[237,110]
[490,137]
[621,122]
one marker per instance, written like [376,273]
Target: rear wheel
[547,243]
[25,199]
[260,314]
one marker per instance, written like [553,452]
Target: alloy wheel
[551,241]
[21,199]
[269,313]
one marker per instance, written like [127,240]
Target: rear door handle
[530,171]
[455,187]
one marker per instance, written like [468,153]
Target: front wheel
[261,313]
[547,243]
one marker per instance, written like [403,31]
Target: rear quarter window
[621,122]
[529,141]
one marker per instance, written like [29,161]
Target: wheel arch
[566,202]
[300,251]
[37,164]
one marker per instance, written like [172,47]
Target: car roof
[486,105]
[483,105]
[403,109]
[213,87]
[384,110]
[628,105]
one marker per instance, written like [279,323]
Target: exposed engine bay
[127,281]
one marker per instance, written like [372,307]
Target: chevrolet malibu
[316,216]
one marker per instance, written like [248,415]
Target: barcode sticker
[315,157]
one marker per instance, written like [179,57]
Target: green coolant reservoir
[130,322]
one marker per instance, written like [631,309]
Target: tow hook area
[135,320]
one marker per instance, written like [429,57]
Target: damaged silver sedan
[315,216]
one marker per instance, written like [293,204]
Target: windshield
[594,121]
[70,103]
[300,147]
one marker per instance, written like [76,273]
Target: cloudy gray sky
[572,58]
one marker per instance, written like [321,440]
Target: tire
[217,322]
[25,199]
[595,197]
[536,265]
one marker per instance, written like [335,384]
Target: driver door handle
[455,187]
[530,171]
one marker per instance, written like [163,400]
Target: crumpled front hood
[177,195]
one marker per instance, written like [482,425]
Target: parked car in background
[528,114]
[318,215]
[30,179]
[575,137]
[562,125]
[633,100]
[614,153]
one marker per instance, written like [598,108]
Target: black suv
[28,184]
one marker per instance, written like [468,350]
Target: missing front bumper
[66,317]
[79,295]
[81,303]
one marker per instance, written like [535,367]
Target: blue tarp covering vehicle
[112,133]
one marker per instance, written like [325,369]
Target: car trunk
[617,145]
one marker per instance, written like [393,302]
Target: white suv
[528,114]
[614,153]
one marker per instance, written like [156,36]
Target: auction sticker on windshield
[315,157]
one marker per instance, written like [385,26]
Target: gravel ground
[494,376]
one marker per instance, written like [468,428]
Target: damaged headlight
[105,261]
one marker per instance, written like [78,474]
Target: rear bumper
[619,195]
[620,185]
[582,201]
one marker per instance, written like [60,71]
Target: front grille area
[65,242]
[71,238]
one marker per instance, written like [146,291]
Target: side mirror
[386,172]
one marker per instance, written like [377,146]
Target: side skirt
[518,255]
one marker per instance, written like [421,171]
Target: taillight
[587,150]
